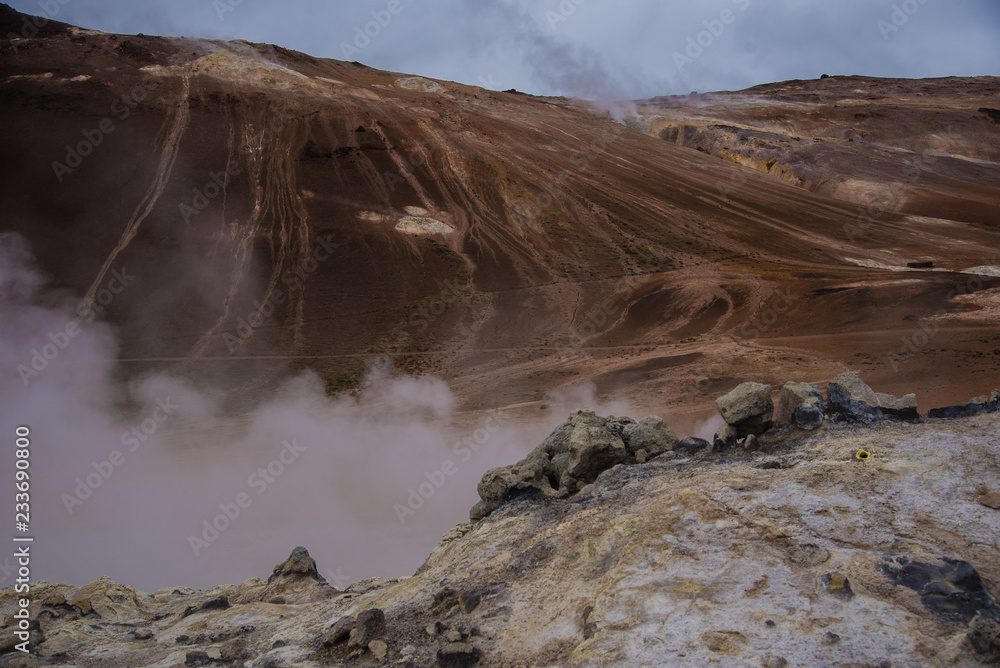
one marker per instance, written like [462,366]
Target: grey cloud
[595,48]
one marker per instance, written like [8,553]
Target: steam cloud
[150,481]
[125,473]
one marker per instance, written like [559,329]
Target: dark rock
[838,585]
[810,414]
[298,565]
[976,406]
[458,654]
[691,445]
[748,408]
[793,397]
[235,653]
[992,113]
[984,636]
[217,603]
[444,600]
[197,658]
[370,625]
[469,600]
[949,588]
[339,632]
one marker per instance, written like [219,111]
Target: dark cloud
[593,48]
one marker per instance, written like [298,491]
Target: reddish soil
[582,249]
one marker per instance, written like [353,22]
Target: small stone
[378,648]
[838,585]
[990,500]
[691,445]
[809,414]
[339,632]
[831,638]
[143,633]
[370,625]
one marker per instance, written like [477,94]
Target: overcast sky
[605,49]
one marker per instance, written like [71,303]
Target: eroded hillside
[279,209]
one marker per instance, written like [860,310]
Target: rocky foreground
[866,537]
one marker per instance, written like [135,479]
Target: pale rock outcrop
[851,400]
[748,408]
[572,456]
[800,555]
[800,404]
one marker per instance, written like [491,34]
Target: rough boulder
[573,455]
[851,400]
[748,409]
[801,404]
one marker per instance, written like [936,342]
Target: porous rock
[800,404]
[298,565]
[573,455]
[851,400]
[369,625]
[749,408]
